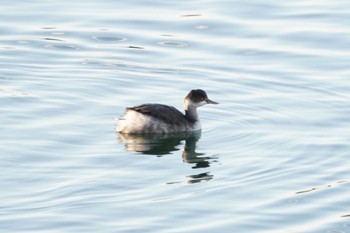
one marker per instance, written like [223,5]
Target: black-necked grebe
[159,118]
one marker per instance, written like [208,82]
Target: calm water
[272,157]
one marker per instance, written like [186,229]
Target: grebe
[160,118]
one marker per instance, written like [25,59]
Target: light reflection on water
[273,157]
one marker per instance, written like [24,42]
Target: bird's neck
[191,113]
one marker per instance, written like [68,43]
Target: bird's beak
[211,102]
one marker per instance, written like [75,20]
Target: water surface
[272,157]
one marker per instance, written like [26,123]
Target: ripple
[191,15]
[8,47]
[57,33]
[62,47]
[201,27]
[6,92]
[110,39]
[48,28]
[135,47]
[336,231]
[319,188]
[168,35]
[53,39]
[173,44]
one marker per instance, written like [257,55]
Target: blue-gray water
[273,156]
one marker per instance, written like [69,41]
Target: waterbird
[160,118]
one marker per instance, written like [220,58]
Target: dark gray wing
[162,112]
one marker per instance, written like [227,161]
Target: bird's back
[154,118]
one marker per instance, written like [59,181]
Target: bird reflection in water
[163,144]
